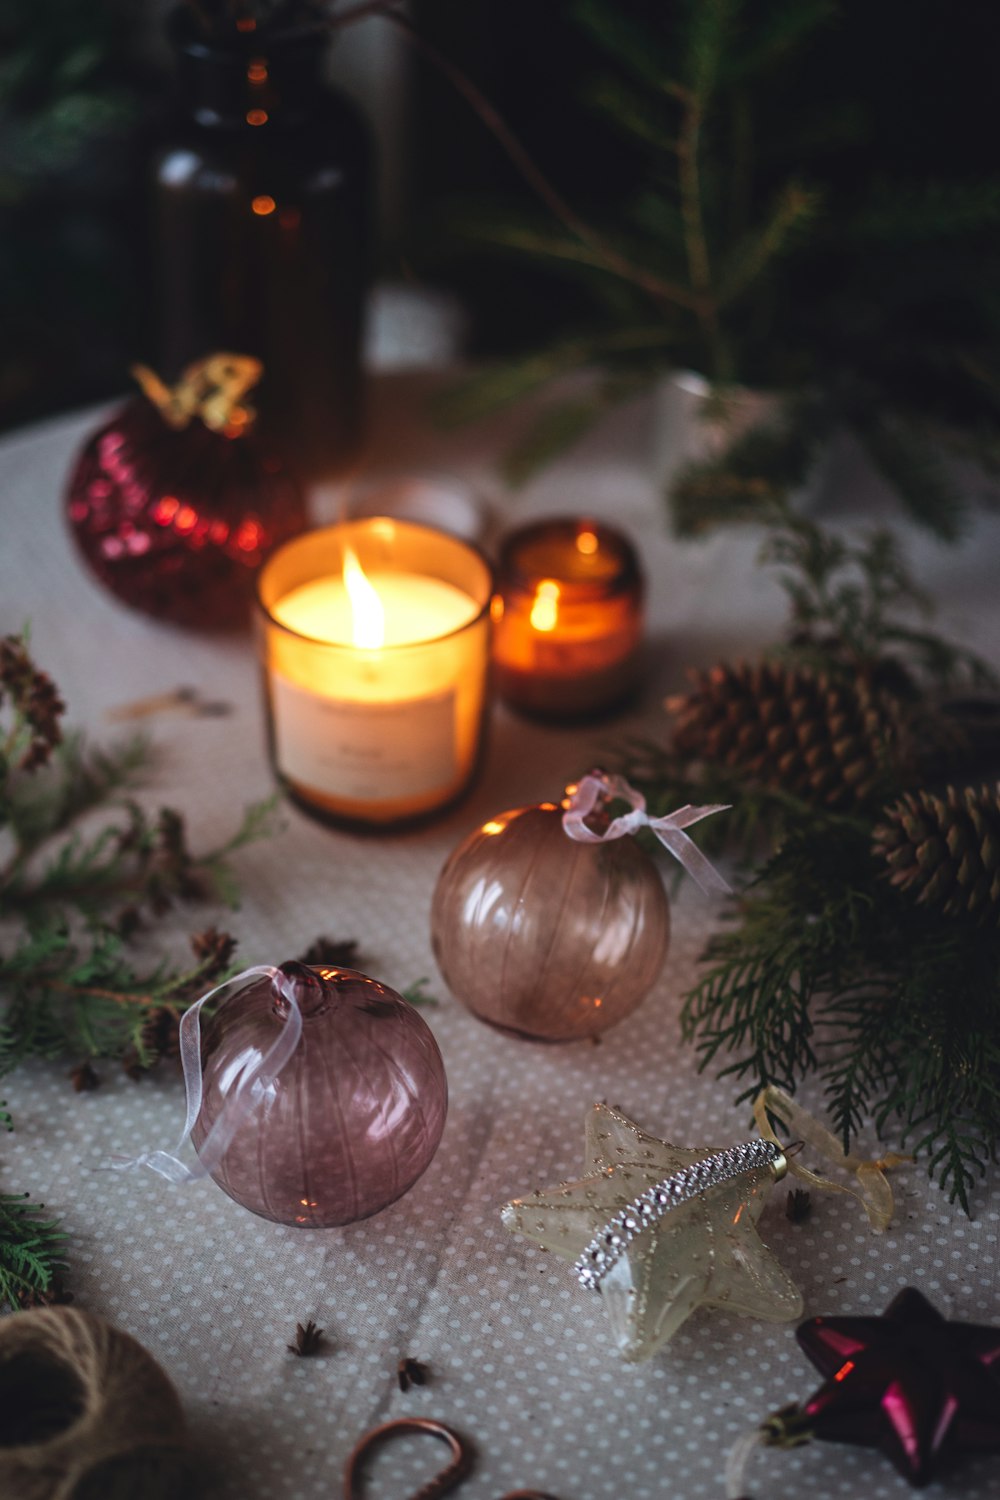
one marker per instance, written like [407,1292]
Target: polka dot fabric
[518,1355]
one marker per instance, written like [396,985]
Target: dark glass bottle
[261,231]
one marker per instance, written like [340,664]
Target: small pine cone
[332,953]
[833,743]
[945,850]
[213,948]
[54,1295]
[159,1033]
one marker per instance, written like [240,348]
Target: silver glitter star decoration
[658,1230]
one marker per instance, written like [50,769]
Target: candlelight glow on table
[568,618]
[375,642]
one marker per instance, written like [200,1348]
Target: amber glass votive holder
[375,732]
[567,619]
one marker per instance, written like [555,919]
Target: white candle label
[364,751]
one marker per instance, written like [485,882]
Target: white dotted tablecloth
[518,1355]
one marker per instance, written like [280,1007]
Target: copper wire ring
[441,1484]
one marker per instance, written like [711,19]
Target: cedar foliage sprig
[87,867]
[833,965]
[31,1254]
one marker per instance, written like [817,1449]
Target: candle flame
[367,614]
[545,610]
[586,542]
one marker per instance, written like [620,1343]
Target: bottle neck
[249,78]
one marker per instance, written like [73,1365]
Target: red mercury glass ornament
[352,1119]
[174,503]
[544,937]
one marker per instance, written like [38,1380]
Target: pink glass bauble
[353,1118]
[546,937]
[176,522]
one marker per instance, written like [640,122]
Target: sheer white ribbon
[252,1084]
[599,786]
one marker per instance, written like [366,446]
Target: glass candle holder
[374,638]
[568,618]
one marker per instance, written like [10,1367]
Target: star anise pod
[332,953]
[798,1205]
[308,1339]
[411,1372]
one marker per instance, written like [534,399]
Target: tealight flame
[545,610]
[367,614]
[586,542]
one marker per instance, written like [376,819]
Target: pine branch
[81,777]
[84,997]
[638,49]
[417,994]
[557,427]
[72,897]
[794,209]
[488,391]
[753,478]
[917,474]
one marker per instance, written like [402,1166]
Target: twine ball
[86,1414]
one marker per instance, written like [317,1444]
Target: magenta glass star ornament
[922,1389]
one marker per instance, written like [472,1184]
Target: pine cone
[945,850]
[160,1033]
[833,743]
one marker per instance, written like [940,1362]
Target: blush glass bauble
[177,522]
[546,937]
[353,1118]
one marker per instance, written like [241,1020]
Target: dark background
[84,91]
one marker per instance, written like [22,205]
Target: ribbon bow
[250,1087]
[599,786]
[873,1191]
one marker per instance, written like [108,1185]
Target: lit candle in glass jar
[375,642]
[567,618]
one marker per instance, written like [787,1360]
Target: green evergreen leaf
[416,993]
[557,427]
[634,112]
[31,1251]
[779,30]
[641,50]
[915,470]
[750,257]
[711,28]
[473,397]
[925,209]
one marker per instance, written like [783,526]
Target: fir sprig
[854,604]
[764,252]
[76,885]
[830,971]
[85,998]
[865,949]
[31,1253]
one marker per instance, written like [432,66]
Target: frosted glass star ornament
[700,1247]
